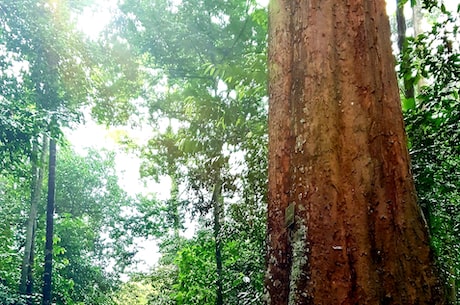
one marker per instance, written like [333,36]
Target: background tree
[88,196]
[213,101]
[38,172]
[14,195]
[49,236]
[56,76]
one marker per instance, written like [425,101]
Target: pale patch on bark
[300,251]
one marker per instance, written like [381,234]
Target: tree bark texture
[47,273]
[337,153]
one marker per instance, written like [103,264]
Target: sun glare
[93,21]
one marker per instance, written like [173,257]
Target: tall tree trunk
[452,296]
[401,24]
[30,274]
[405,64]
[175,206]
[217,213]
[47,275]
[417,21]
[417,17]
[338,163]
[38,169]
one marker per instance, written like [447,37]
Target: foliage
[184,274]
[88,196]
[135,292]
[42,38]
[195,72]
[45,80]
[20,120]
[9,297]
[244,256]
[116,80]
[48,70]
[210,58]
[13,195]
[195,283]
[433,128]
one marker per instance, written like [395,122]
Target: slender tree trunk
[175,206]
[417,20]
[417,17]
[401,24]
[452,297]
[47,275]
[402,28]
[217,213]
[30,275]
[343,223]
[173,172]
[38,169]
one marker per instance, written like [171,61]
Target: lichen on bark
[300,249]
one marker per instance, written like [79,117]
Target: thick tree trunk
[38,169]
[47,273]
[338,159]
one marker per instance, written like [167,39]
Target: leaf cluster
[432,123]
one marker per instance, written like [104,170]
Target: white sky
[93,19]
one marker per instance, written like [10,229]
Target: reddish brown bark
[280,144]
[338,153]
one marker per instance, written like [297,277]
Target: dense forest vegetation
[191,75]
